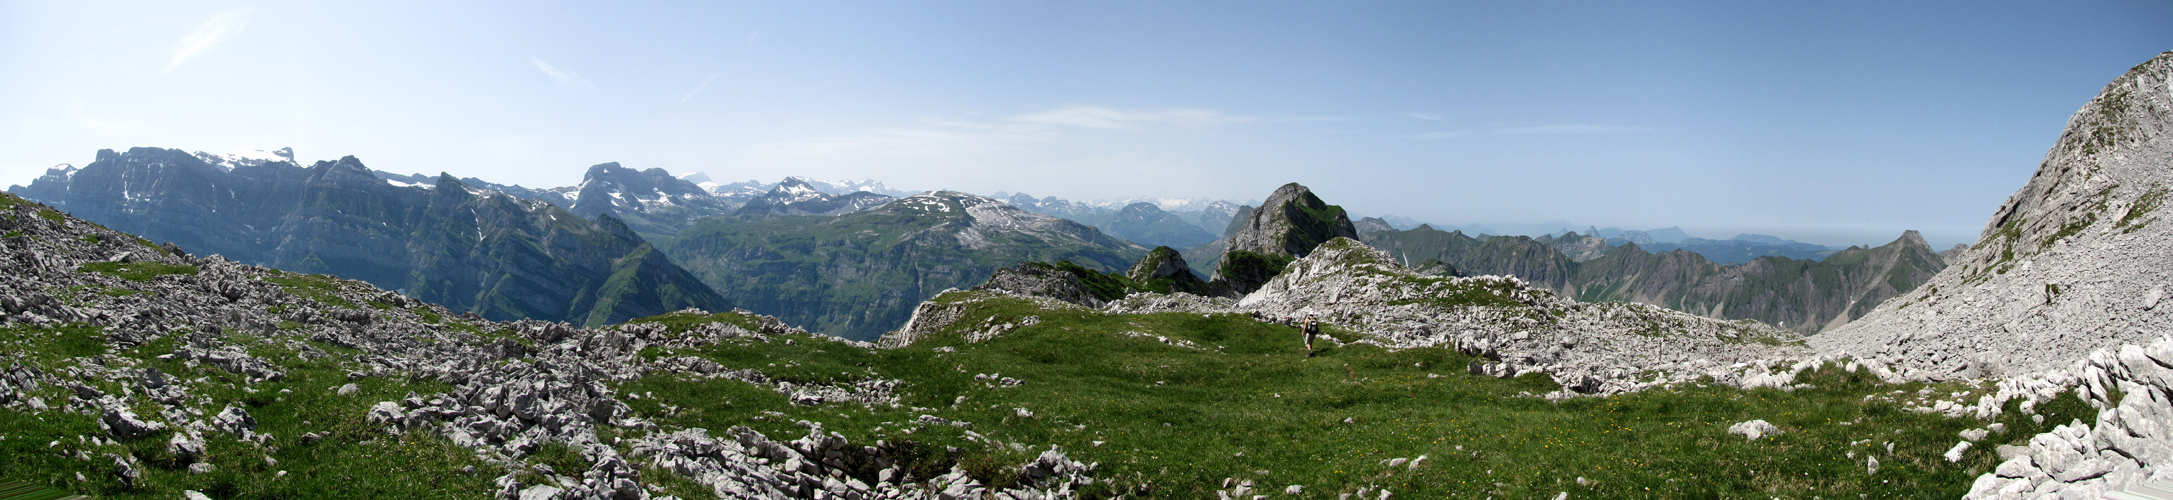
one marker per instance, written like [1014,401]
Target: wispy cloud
[1432,136]
[1110,118]
[567,78]
[1534,130]
[220,28]
[1317,118]
[951,137]
[1576,129]
[934,137]
[698,88]
[1426,116]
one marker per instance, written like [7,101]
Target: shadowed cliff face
[471,250]
[1287,226]
[1290,223]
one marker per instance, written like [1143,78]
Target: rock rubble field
[510,389]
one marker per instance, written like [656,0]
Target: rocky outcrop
[1041,281]
[1290,223]
[2133,389]
[447,242]
[1164,270]
[1287,226]
[2075,261]
[1148,225]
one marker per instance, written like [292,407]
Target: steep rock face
[1148,225]
[1290,223]
[1952,256]
[650,201]
[2076,260]
[1287,226]
[1801,295]
[796,196]
[860,274]
[472,250]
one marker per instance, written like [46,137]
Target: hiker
[1312,329]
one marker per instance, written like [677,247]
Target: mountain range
[860,274]
[471,249]
[1804,295]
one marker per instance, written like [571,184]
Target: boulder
[1752,430]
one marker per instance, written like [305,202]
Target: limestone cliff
[2074,261]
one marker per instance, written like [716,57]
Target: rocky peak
[1167,265]
[236,159]
[1291,222]
[651,201]
[1372,225]
[1139,210]
[1237,220]
[2076,259]
[793,189]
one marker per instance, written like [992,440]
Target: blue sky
[1829,122]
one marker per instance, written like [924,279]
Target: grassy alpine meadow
[1170,405]
[355,459]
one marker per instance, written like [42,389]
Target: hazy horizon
[1834,124]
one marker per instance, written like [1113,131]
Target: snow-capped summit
[793,190]
[796,196]
[248,158]
[651,201]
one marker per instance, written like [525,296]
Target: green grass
[317,287]
[357,459]
[1174,421]
[138,271]
[679,322]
